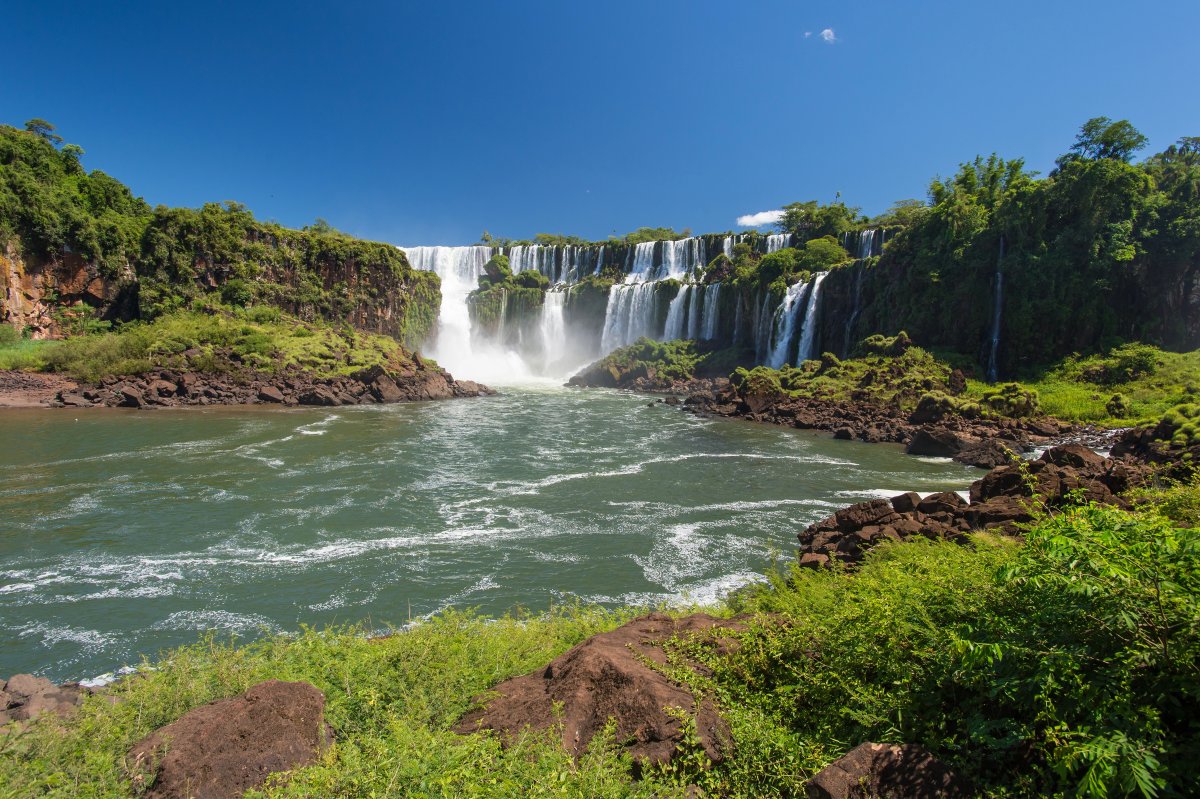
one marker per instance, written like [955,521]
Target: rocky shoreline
[291,386]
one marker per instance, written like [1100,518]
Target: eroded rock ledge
[1005,498]
[291,386]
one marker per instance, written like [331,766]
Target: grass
[214,339]
[391,702]
[1148,381]
[25,354]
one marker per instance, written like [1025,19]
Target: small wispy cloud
[828,37]
[808,34]
[760,219]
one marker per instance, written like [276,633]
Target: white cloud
[760,219]
[827,36]
[807,34]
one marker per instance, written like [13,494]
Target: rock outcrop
[293,386]
[985,443]
[26,697]
[224,748]
[1004,498]
[607,677]
[894,771]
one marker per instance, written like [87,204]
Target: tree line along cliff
[78,251]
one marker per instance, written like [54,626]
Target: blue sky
[426,123]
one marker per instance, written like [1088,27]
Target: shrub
[1011,399]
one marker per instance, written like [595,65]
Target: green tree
[811,220]
[1100,137]
[44,130]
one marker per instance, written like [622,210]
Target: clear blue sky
[424,123]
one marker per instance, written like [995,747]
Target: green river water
[123,533]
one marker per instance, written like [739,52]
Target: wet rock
[227,747]
[906,503]
[270,394]
[129,397]
[887,770]
[607,677]
[936,442]
[319,395]
[986,454]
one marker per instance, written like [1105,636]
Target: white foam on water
[216,620]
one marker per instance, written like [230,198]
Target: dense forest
[83,252]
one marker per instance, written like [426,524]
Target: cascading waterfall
[778,241]
[553,328]
[695,309]
[675,313]
[762,327]
[544,344]
[993,368]
[712,311]
[459,268]
[785,326]
[630,315]
[866,246]
[808,333]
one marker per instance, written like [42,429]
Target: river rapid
[124,533]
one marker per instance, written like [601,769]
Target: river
[124,533]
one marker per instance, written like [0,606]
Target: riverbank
[925,643]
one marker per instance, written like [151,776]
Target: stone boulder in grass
[222,749]
[894,771]
[607,676]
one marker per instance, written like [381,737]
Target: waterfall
[778,241]
[630,315]
[852,320]
[459,268]
[599,260]
[762,328]
[866,243]
[785,326]
[993,368]
[727,245]
[712,310]
[809,332]
[553,328]
[643,262]
[694,311]
[675,312]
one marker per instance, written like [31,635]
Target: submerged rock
[227,747]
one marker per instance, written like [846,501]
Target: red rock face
[224,748]
[606,677]
[30,290]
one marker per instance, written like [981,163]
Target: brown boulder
[937,442]
[907,502]
[270,394]
[607,677]
[986,454]
[942,502]
[1076,456]
[887,770]
[227,747]
[319,395]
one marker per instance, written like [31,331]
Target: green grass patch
[1128,384]
[213,340]
[391,702]
[25,354]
